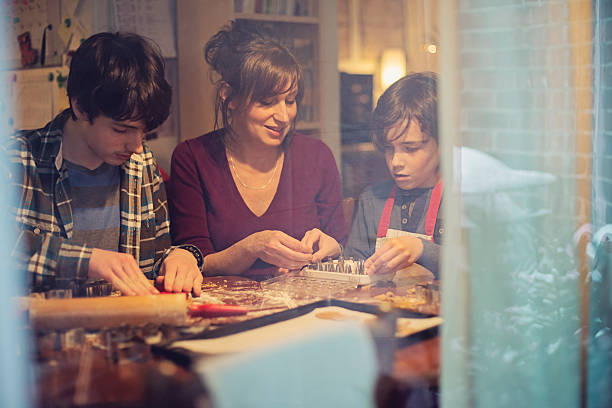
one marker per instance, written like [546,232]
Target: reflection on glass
[519,88]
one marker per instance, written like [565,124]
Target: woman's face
[266,121]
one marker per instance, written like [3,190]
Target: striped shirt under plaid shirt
[44,212]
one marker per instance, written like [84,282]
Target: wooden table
[93,376]
[416,362]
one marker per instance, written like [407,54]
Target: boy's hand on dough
[121,270]
[181,272]
[395,254]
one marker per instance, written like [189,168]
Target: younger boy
[396,223]
[91,202]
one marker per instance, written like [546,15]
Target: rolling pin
[112,311]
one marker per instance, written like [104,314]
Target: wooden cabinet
[308,27]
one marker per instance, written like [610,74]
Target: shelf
[277,18]
[6,68]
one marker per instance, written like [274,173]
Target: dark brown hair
[413,97]
[120,75]
[247,58]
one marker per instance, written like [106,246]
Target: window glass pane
[600,313]
[517,90]
[14,346]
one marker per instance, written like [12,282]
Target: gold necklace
[266,184]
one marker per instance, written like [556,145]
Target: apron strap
[432,212]
[385,218]
[430,220]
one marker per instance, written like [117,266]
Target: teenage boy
[396,223]
[91,201]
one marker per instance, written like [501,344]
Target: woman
[252,194]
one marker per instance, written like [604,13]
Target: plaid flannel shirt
[44,214]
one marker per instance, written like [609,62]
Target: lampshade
[392,66]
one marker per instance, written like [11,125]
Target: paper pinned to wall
[20,17]
[69,7]
[68,14]
[34,96]
[36,107]
[148,18]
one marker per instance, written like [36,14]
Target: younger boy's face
[412,156]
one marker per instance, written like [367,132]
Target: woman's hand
[395,254]
[181,273]
[278,248]
[121,270]
[323,244]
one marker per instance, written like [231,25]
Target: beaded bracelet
[195,251]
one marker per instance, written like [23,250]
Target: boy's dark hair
[120,75]
[413,97]
[254,64]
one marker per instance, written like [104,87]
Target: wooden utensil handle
[113,311]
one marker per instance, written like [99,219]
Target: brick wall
[526,90]
[380,23]
[525,97]
[602,171]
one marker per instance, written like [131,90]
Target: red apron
[385,233]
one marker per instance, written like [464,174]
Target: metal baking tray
[186,357]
